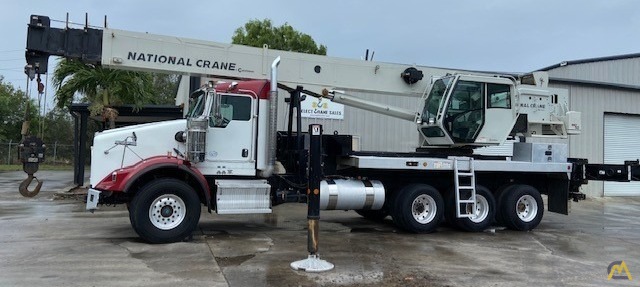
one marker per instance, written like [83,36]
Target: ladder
[461,185]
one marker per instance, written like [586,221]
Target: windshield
[435,99]
[196,106]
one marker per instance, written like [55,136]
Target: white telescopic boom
[348,100]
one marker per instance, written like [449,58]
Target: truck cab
[232,120]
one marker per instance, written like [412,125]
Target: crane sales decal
[321,109]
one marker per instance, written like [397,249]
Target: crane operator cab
[468,110]
[474,110]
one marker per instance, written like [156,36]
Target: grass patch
[18,167]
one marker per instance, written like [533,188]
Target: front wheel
[165,210]
[521,207]
[418,208]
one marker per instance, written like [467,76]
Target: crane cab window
[236,108]
[499,96]
[465,112]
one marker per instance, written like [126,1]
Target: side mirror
[222,113]
[215,108]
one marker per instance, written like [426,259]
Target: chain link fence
[60,154]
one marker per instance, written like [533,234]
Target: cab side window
[498,96]
[232,108]
[241,107]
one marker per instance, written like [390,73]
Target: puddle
[233,261]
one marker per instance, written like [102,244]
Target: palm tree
[102,88]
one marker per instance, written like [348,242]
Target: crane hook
[24,186]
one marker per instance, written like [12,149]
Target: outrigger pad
[312,264]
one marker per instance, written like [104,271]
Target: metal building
[607,92]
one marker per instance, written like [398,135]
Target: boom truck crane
[229,156]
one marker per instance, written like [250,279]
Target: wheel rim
[424,209]
[482,209]
[167,211]
[526,208]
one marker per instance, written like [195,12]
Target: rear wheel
[483,214]
[418,208]
[499,199]
[165,210]
[521,207]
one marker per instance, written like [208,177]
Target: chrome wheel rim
[424,209]
[482,209]
[526,208]
[167,211]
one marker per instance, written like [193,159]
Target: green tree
[102,88]
[12,110]
[57,127]
[164,88]
[256,33]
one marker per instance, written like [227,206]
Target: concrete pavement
[55,243]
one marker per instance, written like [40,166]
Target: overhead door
[621,142]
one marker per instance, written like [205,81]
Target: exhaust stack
[273,118]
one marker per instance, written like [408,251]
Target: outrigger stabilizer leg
[313,263]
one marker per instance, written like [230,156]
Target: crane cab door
[231,140]
[500,115]
[464,114]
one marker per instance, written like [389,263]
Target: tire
[499,196]
[132,214]
[418,208]
[485,211]
[374,215]
[164,211]
[521,207]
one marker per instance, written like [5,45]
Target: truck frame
[229,156]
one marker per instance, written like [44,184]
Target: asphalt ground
[53,242]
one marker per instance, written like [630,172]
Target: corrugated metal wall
[623,71]
[594,102]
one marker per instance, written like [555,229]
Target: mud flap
[558,193]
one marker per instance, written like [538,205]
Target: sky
[489,35]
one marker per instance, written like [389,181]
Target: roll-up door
[621,142]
